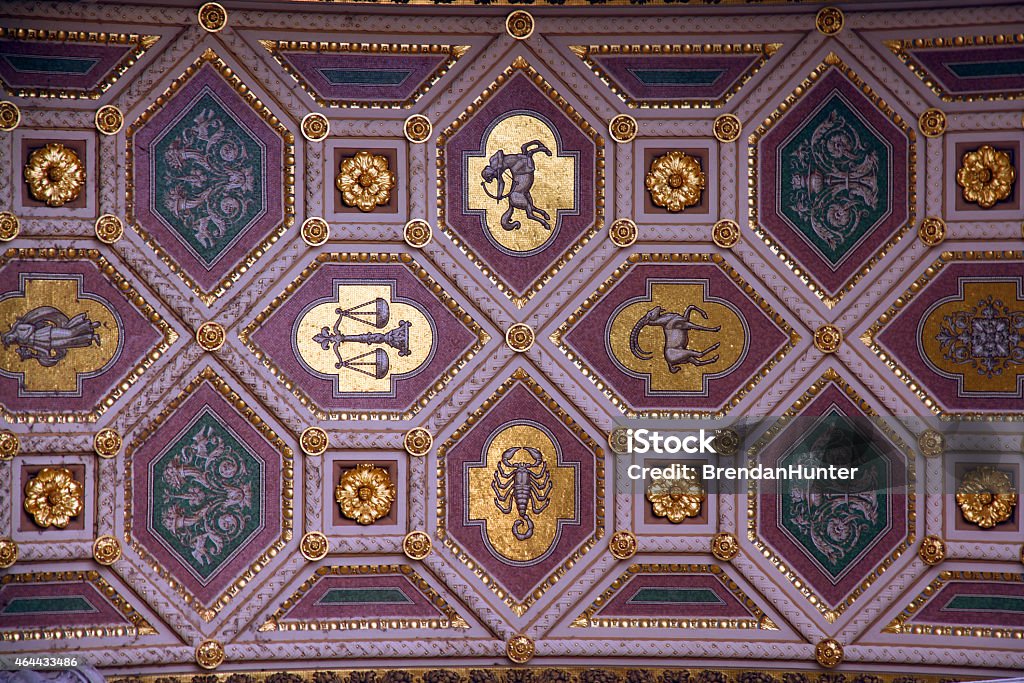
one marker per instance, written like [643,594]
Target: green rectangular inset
[57,605]
[986,603]
[1011,67]
[365,76]
[364,596]
[50,65]
[677,76]
[675,596]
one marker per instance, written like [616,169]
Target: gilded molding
[901,624]
[900,49]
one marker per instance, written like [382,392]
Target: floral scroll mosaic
[320,324]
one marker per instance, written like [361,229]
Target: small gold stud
[932,231]
[315,127]
[829,653]
[108,228]
[10,116]
[213,17]
[932,123]
[623,128]
[418,442]
[622,545]
[10,226]
[932,550]
[209,654]
[106,550]
[211,336]
[520,24]
[416,545]
[418,129]
[9,445]
[726,234]
[520,337]
[829,20]
[315,231]
[727,128]
[417,233]
[520,649]
[8,553]
[109,119]
[827,338]
[724,546]
[931,443]
[314,441]
[107,443]
[622,232]
[314,546]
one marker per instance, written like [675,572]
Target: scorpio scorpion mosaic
[527,484]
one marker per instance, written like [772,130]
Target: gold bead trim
[106,550]
[107,443]
[314,441]
[209,654]
[726,234]
[8,553]
[520,649]
[931,443]
[932,231]
[109,120]
[623,232]
[315,231]
[724,546]
[315,127]
[10,116]
[520,24]
[314,546]
[727,128]
[211,336]
[827,338]
[623,128]
[829,20]
[932,550]
[418,442]
[829,653]
[10,226]
[622,545]
[932,122]
[9,445]
[108,228]
[520,337]
[418,129]
[416,545]
[212,17]
[417,233]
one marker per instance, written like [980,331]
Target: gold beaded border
[930,273]
[209,376]
[899,624]
[831,61]
[430,284]
[137,623]
[264,112]
[132,295]
[519,64]
[900,49]
[520,376]
[831,613]
[453,52]
[764,50]
[451,618]
[140,43]
[760,620]
[558,336]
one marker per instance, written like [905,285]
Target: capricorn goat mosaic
[525,483]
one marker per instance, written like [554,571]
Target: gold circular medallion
[213,17]
[209,654]
[10,116]
[932,550]
[416,545]
[418,128]
[622,545]
[986,496]
[314,546]
[520,649]
[675,181]
[622,128]
[727,128]
[315,231]
[53,497]
[726,441]
[365,493]
[418,442]
[932,231]
[724,546]
[829,653]
[519,24]
[829,20]
[109,228]
[9,445]
[109,119]
[315,127]
[211,336]
[827,338]
[726,234]
[622,232]
[931,443]
[986,176]
[54,175]
[417,233]
[8,553]
[618,440]
[314,441]
[932,123]
[519,337]
[106,550]
[10,226]
[106,443]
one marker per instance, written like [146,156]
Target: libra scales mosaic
[319,324]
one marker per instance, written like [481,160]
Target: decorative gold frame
[132,295]
[915,386]
[288,153]
[520,65]
[831,613]
[588,619]
[765,50]
[558,336]
[899,624]
[430,285]
[454,52]
[139,626]
[900,47]
[451,620]
[521,376]
[141,43]
[209,375]
[831,61]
